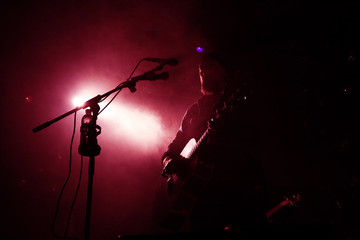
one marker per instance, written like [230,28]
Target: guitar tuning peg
[211,122]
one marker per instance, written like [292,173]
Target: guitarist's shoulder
[193,109]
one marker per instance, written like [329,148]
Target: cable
[73,203]
[63,188]
[112,99]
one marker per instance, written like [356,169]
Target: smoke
[55,51]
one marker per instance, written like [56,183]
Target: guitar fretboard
[202,139]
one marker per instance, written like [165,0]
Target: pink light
[78,101]
[137,127]
[132,125]
[199,49]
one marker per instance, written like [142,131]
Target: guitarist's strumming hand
[174,169]
[178,166]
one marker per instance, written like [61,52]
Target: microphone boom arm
[130,83]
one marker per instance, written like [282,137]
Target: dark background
[302,60]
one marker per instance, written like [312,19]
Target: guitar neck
[276,208]
[199,143]
[291,202]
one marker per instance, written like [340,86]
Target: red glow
[227,228]
[28,99]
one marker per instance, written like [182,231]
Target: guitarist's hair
[210,56]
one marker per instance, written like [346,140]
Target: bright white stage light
[78,101]
[134,125]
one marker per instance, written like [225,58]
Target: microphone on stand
[146,76]
[160,76]
[163,61]
[151,76]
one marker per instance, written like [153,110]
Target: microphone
[162,76]
[151,76]
[163,61]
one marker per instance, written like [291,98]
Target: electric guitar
[185,190]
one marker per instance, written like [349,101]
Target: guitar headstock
[238,97]
[293,199]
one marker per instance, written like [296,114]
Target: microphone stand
[89,130]
[89,147]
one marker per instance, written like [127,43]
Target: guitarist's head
[212,75]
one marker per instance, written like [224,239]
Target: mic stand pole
[89,197]
[89,147]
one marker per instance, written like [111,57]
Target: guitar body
[184,191]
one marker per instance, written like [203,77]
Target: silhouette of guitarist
[225,190]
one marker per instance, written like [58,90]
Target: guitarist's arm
[181,139]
